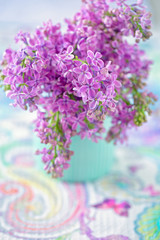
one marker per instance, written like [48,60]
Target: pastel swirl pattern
[148,223]
[39,207]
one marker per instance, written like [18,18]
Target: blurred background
[27,15]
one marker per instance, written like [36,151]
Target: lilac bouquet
[77,79]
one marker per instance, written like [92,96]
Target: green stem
[77,59]
[118,96]
[55,152]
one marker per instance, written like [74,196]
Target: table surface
[122,205]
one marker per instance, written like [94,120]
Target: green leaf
[90,125]
[2,77]
[77,59]
[23,84]
[7,87]
[118,96]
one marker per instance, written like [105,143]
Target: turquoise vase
[90,160]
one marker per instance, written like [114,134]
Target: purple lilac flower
[79,120]
[65,104]
[95,58]
[83,73]
[14,75]
[74,80]
[68,55]
[88,90]
[99,97]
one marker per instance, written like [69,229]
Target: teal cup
[90,160]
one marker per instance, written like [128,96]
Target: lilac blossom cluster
[77,79]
